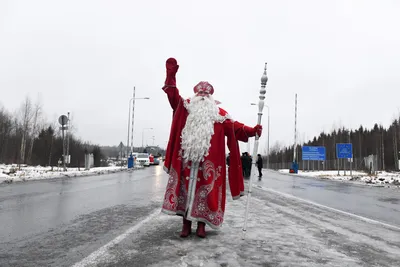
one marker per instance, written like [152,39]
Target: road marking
[101,252]
[329,208]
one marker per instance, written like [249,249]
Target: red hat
[203,87]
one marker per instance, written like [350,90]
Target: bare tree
[26,118]
[37,112]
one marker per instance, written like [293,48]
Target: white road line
[328,208]
[93,257]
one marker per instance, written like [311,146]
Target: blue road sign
[344,151]
[313,153]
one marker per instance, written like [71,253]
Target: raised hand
[171,68]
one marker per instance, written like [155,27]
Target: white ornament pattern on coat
[200,206]
[183,194]
[170,198]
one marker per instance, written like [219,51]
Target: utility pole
[63,120]
[383,150]
[351,160]
[68,134]
[360,145]
[295,131]
[133,121]
[268,140]
[395,149]
[133,117]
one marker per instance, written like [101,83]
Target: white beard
[199,128]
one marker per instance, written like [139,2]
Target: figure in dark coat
[259,164]
[246,165]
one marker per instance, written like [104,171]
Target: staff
[264,80]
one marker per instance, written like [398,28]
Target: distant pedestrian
[246,165]
[259,164]
[227,160]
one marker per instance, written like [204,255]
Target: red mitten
[252,131]
[172,67]
[258,129]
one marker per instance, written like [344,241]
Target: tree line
[379,141]
[27,138]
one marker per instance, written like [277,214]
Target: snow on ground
[11,173]
[381,178]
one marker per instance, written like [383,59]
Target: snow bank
[11,173]
[381,178]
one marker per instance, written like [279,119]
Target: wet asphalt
[59,222]
[378,203]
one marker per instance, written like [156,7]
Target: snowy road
[114,220]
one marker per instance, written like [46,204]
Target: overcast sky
[341,57]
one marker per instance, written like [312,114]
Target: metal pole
[68,129]
[63,137]
[264,80]
[268,140]
[359,142]
[129,123]
[295,130]
[351,159]
[133,117]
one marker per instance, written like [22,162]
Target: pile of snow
[381,178]
[11,173]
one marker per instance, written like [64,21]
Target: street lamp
[132,100]
[254,104]
[143,134]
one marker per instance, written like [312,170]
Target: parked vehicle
[143,159]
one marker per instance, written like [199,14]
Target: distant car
[143,159]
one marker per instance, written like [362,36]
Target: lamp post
[254,104]
[143,135]
[132,100]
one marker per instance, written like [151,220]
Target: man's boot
[186,228]
[201,229]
